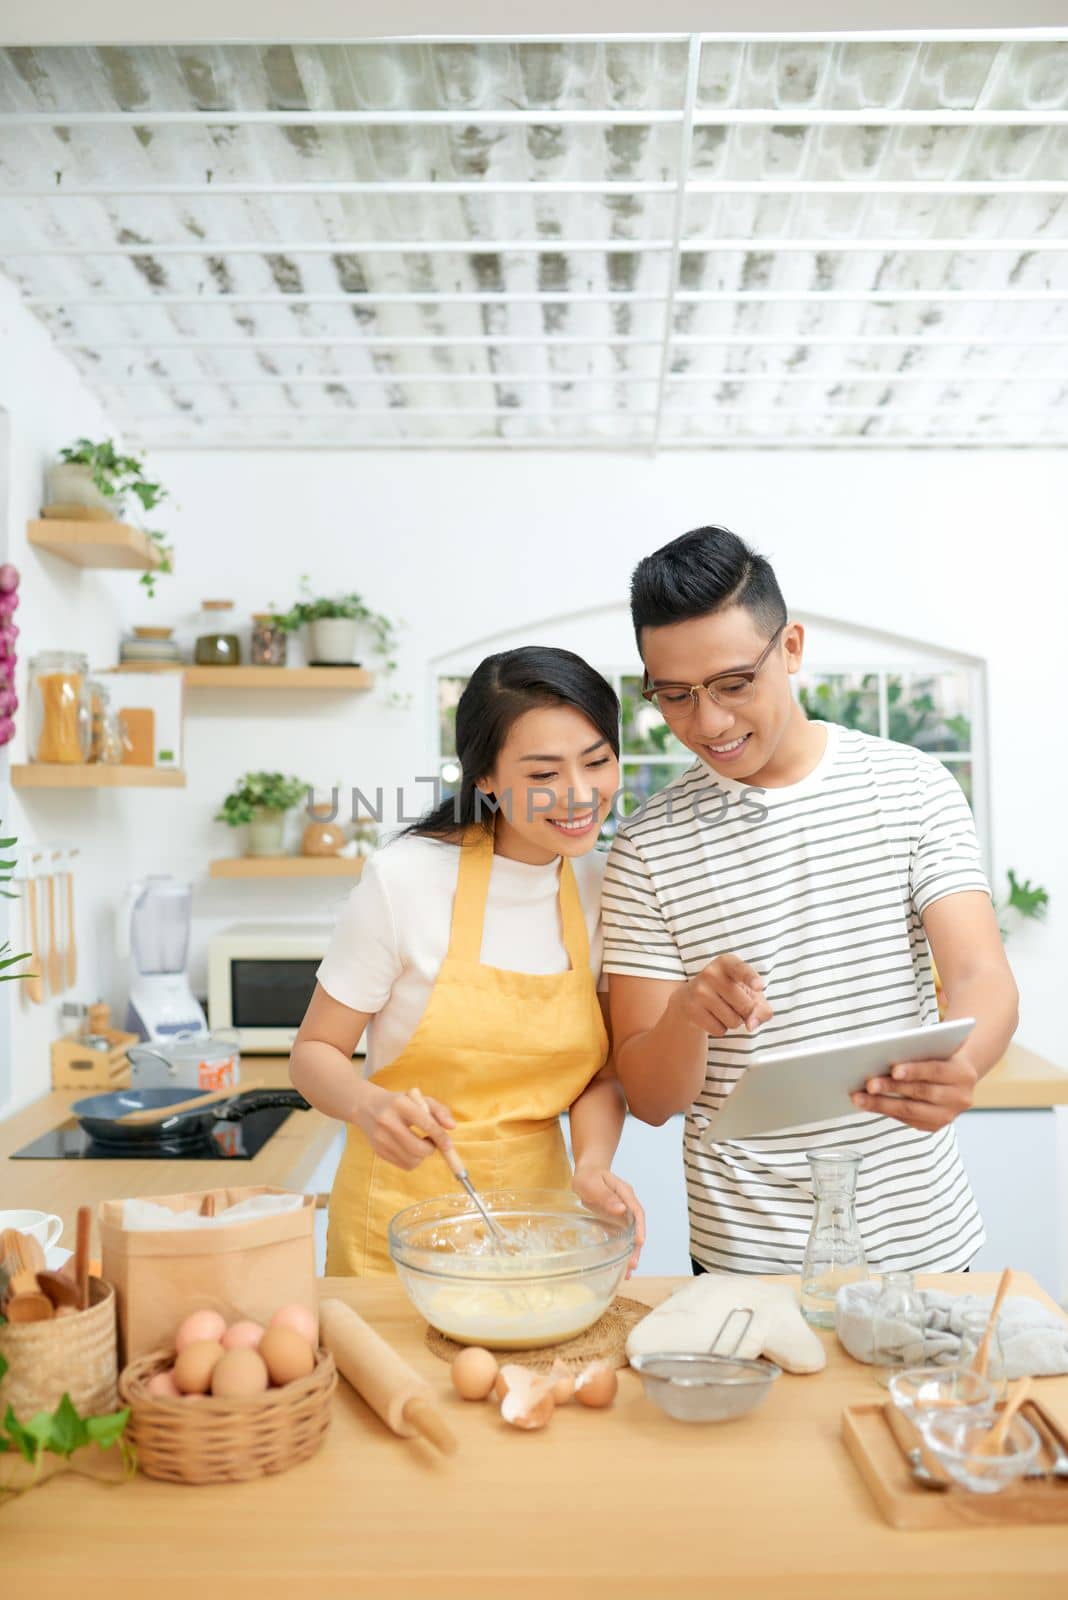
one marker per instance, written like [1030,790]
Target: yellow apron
[507,1052]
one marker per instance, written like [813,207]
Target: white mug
[45,1226]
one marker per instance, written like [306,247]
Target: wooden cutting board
[907,1504]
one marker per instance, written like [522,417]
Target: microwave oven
[261,976]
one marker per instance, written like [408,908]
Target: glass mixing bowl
[562,1265]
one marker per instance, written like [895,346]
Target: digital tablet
[796,1087]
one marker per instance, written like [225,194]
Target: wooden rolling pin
[389,1385]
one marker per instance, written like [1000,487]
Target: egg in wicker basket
[205,1439]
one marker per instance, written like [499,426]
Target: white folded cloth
[693,1316]
[1033,1339]
[141,1215]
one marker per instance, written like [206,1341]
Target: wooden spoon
[33,983]
[29,1305]
[145,1119]
[982,1349]
[60,1290]
[996,1437]
[81,1256]
[72,943]
[55,961]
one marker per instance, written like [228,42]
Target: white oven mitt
[691,1318]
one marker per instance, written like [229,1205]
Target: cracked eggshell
[527,1401]
[563,1382]
[596,1385]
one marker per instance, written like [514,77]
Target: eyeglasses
[676,701]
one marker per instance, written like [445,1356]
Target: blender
[153,928]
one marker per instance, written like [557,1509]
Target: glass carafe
[834,1254]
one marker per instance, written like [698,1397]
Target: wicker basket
[73,1355]
[225,1441]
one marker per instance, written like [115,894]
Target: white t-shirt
[393,931]
[822,886]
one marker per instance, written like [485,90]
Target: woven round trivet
[604,1341]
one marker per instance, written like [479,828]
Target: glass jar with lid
[268,644]
[58,717]
[217,644]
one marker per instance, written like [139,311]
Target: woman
[471,950]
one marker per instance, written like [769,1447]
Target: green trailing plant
[8,961]
[117,476]
[1029,901]
[260,791]
[351,606]
[60,1433]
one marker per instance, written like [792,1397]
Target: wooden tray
[907,1504]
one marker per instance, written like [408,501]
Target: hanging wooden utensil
[32,985]
[55,964]
[72,942]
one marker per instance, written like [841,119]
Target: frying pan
[98,1114]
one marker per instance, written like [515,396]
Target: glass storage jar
[217,645]
[835,1252]
[105,739]
[268,645]
[59,707]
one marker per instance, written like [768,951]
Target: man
[789,887]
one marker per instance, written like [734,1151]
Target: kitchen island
[601,1505]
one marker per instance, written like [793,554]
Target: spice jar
[59,707]
[268,640]
[217,645]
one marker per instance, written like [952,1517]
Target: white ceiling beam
[314,186]
[489,341]
[733,442]
[547,116]
[474,246]
[565,297]
[682,168]
[505,380]
[564,414]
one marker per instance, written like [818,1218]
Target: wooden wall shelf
[96,544]
[286,867]
[93,775]
[351,678]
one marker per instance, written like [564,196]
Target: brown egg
[596,1385]
[197,1326]
[300,1319]
[195,1365]
[474,1372]
[287,1355]
[162,1385]
[563,1382]
[242,1336]
[239,1373]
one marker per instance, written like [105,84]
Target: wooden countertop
[617,1505]
[1022,1081]
[287,1160]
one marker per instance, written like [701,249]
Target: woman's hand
[601,1190]
[386,1121]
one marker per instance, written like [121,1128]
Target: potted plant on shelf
[95,479]
[260,801]
[334,625]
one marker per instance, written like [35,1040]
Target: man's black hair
[702,572]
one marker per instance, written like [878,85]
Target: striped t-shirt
[821,886]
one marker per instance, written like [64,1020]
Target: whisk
[499,1240]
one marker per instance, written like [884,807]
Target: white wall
[46,406]
[963,550]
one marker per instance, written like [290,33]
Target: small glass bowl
[923,1392]
[693,1387]
[956,1436]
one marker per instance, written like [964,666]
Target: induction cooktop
[223,1141]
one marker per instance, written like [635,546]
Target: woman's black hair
[701,572]
[499,691]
